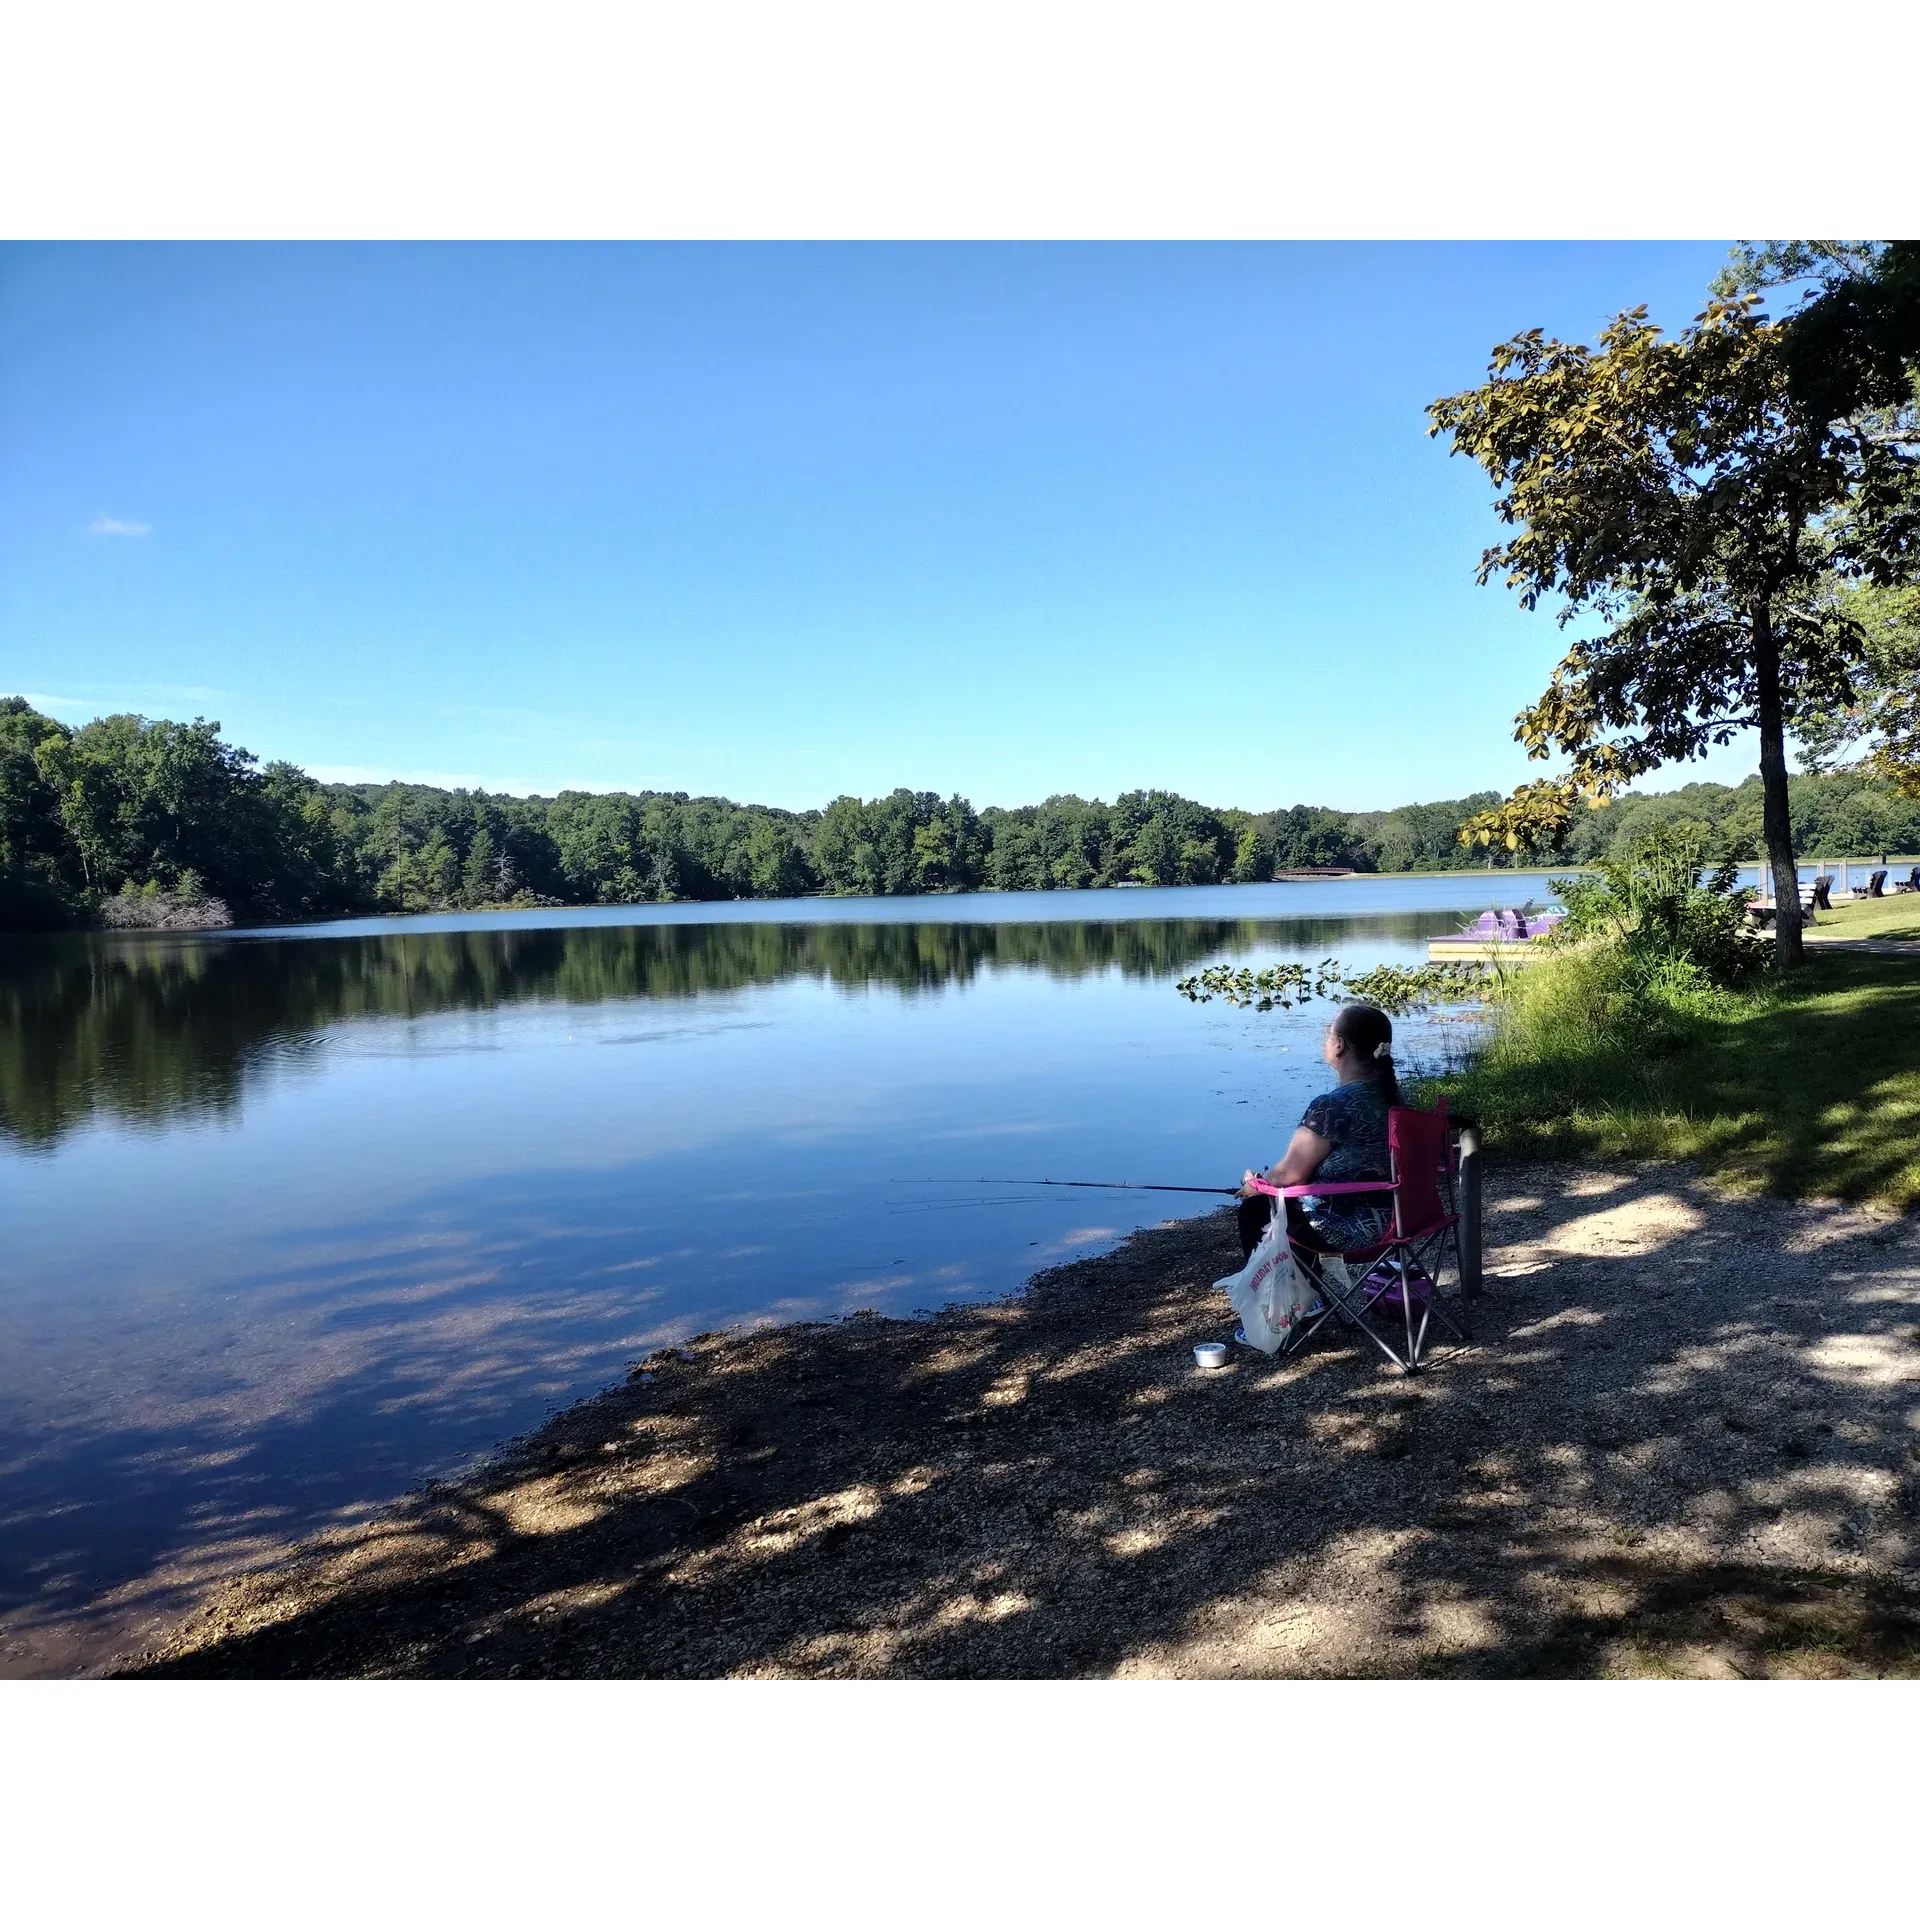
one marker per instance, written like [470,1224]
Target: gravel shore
[1685,1441]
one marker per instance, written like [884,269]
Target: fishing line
[973,1203]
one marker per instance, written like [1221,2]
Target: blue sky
[787,522]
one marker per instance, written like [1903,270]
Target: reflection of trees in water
[144,1030]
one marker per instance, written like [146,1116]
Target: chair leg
[1302,1336]
[1409,1265]
[1404,1265]
[1406,1312]
[1460,1332]
[1460,1328]
[1359,1318]
[1434,1307]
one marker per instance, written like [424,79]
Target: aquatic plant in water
[1291,983]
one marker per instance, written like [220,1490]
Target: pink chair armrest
[1335,1186]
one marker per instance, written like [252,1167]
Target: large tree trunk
[1787,949]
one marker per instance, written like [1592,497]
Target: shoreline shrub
[1677,933]
[1651,962]
[188,908]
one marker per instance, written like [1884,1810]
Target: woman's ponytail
[1389,1080]
[1367,1034]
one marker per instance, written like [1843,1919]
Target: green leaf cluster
[125,804]
[1702,497]
[1843,815]
[1883,716]
[1290,983]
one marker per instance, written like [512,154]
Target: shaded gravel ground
[1686,1442]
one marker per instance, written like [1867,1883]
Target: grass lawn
[1811,1088]
[1895,918]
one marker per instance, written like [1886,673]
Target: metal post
[1470,1213]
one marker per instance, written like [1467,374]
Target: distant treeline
[1835,816]
[155,822]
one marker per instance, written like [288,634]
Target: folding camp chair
[1403,1269]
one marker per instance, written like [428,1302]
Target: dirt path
[1686,1443]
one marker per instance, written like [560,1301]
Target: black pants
[1257,1210]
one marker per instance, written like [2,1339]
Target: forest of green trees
[141,821]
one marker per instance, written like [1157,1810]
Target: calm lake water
[293,1220]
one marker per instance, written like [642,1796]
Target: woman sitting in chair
[1342,1136]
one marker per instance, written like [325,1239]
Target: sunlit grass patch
[1811,1086]
[1895,918]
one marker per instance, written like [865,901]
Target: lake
[296,1218]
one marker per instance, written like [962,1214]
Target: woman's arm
[1301,1161]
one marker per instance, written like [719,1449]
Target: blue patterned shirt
[1352,1119]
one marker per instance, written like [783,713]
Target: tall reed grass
[1809,1085]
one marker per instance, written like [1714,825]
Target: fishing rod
[1125,1186]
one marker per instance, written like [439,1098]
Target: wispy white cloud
[106,523]
[111,696]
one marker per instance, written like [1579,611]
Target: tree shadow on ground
[1683,1442]
[1826,1125]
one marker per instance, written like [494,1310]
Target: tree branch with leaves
[1685,493]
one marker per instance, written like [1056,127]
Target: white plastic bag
[1270,1294]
